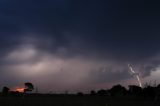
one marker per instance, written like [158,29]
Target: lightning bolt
[136,75]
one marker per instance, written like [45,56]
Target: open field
[72,100]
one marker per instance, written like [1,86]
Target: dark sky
[78,44]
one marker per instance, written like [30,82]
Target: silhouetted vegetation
[135,90]
[28,87]
[118,90]
[5,91]
[93,93]
[102,92]
[117,95]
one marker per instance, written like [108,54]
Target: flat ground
[67,100]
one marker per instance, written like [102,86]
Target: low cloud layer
[65,71]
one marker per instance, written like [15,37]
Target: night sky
[78,45]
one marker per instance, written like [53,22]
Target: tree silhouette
[92,92]
[157,93]
[28,87]
[149,91]
[118,90]
[5,91]
[102,92]
[135,90]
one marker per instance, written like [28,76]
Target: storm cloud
[74,45]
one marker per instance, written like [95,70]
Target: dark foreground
[74,100]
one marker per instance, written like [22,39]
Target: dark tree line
[149,92]
[136,91]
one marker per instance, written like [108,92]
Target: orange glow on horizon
[20,90]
